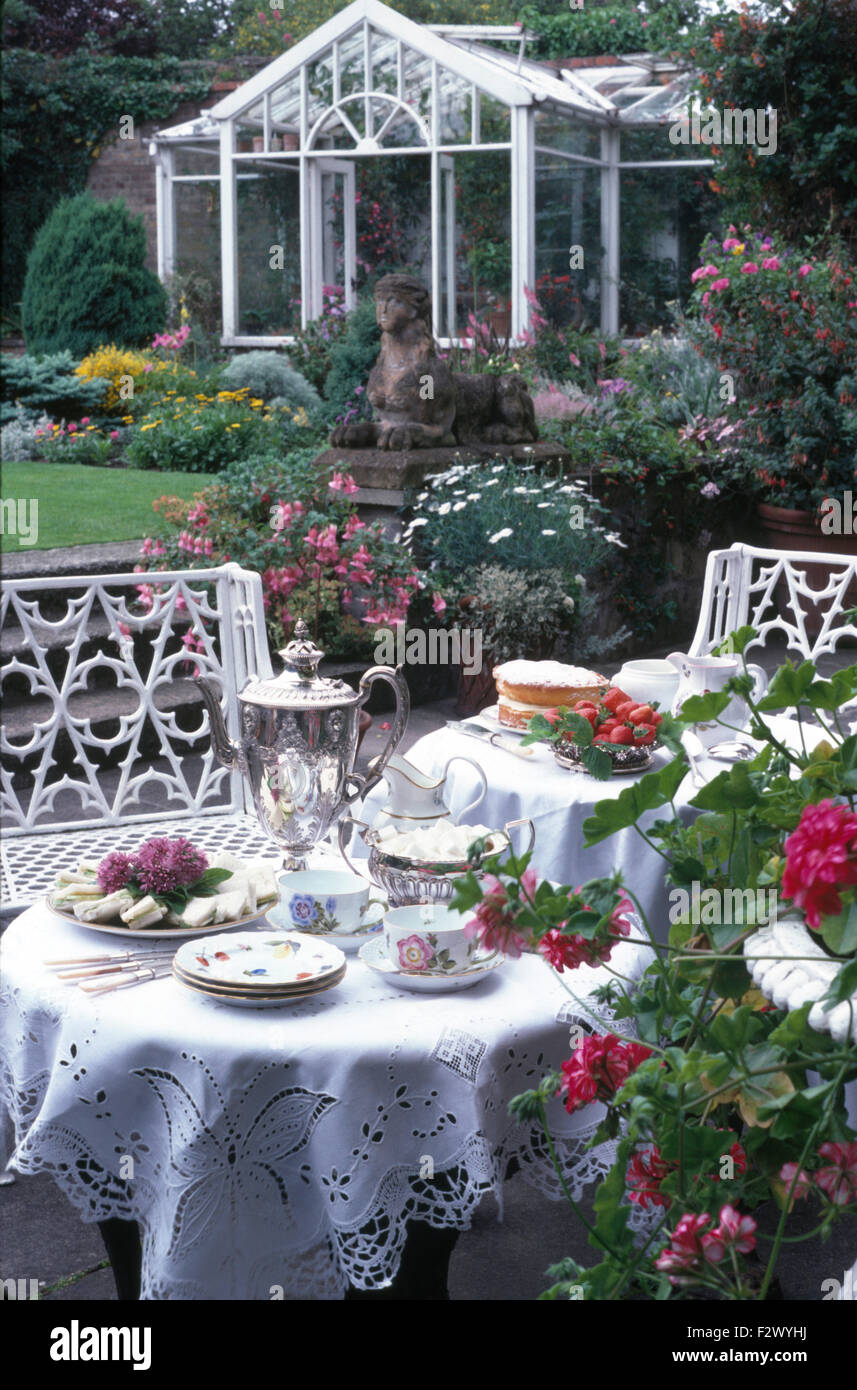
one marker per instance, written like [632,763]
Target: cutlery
[109,957]
[486,736]
[732,751]
[139,977]
[89,972]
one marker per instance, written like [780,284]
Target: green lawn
[79,505]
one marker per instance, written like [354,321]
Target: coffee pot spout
[225,750]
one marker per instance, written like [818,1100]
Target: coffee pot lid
[299,686]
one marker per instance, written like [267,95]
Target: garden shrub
[352,358]
[270,375]
[47,385]
[200,433]
[313,345]
[21,437]
[87,282]
[110,363]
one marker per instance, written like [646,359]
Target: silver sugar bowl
[298,743]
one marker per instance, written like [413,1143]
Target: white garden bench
[781,593]
[165,779]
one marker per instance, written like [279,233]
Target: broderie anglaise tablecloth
[281,1153]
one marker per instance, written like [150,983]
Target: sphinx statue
[419,403]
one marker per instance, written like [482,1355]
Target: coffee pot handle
[350,820]
[397,728]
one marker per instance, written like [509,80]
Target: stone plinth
[384,476]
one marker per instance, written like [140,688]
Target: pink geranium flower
[802,1187]
[684,1251]
[494,923]
[805,270]
[839,1180]
[821,859]
[598,1069]
[750,268]
[735,1232]
[721,284]
[646,1172]
[771,263]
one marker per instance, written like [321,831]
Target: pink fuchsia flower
[684,1251]
[414,953]
[821,858]
[494,923]
[839,1180]
[646,1172]
[771,263]
[721,284]
[115,872]
[750,268]
[805,270]
[598,1069]
[438,604]
[735,1232]
[164,865]
[802,1187]
[574,359]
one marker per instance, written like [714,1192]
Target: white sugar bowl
[649,680]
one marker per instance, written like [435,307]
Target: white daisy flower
[444,508]
[548,533]
[500,535]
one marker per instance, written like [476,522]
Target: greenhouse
[500,181]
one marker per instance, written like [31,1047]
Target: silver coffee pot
[298,743]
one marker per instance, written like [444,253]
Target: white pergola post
[228,230]
[306,202]
[436,232]
[165,212]
[610,257]
[523,175]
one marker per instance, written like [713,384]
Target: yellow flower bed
[112,363]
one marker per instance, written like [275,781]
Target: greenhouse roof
[636,90]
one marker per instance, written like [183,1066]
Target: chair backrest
[99,718]
[799,595]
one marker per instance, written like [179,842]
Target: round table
[282,1153]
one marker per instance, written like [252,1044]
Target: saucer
[344,940]
[372,954]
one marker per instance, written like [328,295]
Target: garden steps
[119,557]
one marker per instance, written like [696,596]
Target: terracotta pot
[258,144]
[244,147]
[291,141]
[501,322]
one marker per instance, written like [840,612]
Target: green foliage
[57,114]
[21,437]
[269,375]
[204,442]
[48,385]
[87,282]
[613,28]
[352,358]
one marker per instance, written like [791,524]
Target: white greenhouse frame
[639,92]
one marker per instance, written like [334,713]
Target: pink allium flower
[494,923]
[646,1172]
[805,270]
[821,858]
[598,1069]
[802,1187]
[839,1180]
[750,268]
[115,871]
[162,865]
[685,1248]
[721,284]
[735,1232]
[771,263]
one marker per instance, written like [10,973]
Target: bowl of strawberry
[613,734]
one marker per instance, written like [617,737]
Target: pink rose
[750,268]
[721,284]
[805,270]
[414,953]
[771,263]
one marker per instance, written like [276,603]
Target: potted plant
[727,1110]
[781,323]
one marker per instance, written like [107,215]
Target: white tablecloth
[282,1150]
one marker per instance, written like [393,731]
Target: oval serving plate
[156,933]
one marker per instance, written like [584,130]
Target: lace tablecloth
[281,1153]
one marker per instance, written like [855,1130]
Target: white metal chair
[799,594]
[62,637]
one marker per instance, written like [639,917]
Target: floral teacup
[429,939]
[326,902]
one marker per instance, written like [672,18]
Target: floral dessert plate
[254,960]
[155,933]
[373,955]
[257,999]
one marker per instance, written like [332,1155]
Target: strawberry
[553,716]
[590,714]
[657,718]
[624,710]
[641,715]
[602,738]
[585,704]
[614,698]
[621,734]
[608,725]
[644,733]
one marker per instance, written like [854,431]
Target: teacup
[326,902]
[429,939]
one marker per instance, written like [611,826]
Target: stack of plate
[253,970]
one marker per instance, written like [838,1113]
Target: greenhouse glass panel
[197,160]
[269,282]
[666,215]
[319,87]
[568,242]
[197,251]
[394,127]
[455,99]
[417,83]
[559,130]
[286,104]
[385,76]
[495,122]
[483,260]
[654,144]
[352,66]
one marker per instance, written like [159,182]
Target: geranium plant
[727,1110]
